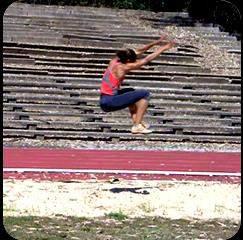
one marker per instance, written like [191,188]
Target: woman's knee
[146,94]
[143,102]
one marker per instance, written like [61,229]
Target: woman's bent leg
[142,106]
[124,100]
[136,100]
[133,112]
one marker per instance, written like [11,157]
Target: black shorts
[124,98]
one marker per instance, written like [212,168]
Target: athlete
[112,98]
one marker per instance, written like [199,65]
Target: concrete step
[152,69]
[141,80]
[29,34]
[19,60]
[147,70]
[102,64]
[53,9]
[94,101]
[80,25]
[66,20]
[78,55]
[115,117]
[83,40]
[72,113]
[65,120]
[134,32]
[153,79]
[95,58]
[112,127]
[111,32]
[228,44]
[78,29]
[60,14]
[95,85]
[203,29]
[75,126]
[219,38]
[95,113]
[170,95]
[75,49]
[62,41]
[201,80]
[153,113]
[208,33]
[235,51]
[45,134]
[160,15]
[183,69]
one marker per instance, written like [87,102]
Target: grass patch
[119,216]
[146,207]
[149,228]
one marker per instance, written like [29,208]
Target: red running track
[127,164]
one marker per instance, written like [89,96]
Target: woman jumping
[113,98]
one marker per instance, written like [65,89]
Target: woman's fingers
[167,41]
[163,37]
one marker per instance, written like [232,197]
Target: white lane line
[104,171]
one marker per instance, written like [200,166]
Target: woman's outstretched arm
[139,63]
[141,50]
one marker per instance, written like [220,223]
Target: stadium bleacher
[53,60]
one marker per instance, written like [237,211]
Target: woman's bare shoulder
[113,60]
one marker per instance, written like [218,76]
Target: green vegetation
[62,227]
[117,215]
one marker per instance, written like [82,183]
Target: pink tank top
[110,84]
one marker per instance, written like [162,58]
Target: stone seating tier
[184,94]
[116,136]
[153,111]
[145,74]
[52,78]
[58,122]
[91,84]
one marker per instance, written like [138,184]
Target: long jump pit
[93,183]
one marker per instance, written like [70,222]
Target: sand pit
[175,200]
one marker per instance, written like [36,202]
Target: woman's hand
[166,41]
[170,45]
[162,38]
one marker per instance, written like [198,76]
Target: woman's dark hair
[126,55]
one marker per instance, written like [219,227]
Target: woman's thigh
[128,98]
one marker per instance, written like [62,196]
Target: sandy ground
[136,198]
